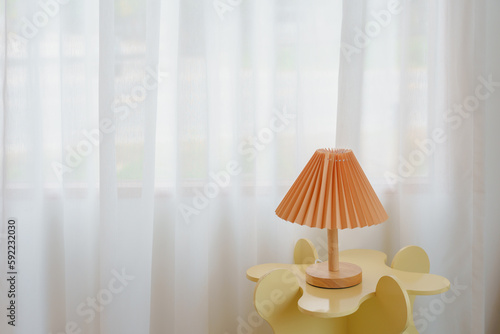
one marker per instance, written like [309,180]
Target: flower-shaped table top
[332,303]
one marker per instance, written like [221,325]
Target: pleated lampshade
[332,192]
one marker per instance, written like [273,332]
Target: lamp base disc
[348,275]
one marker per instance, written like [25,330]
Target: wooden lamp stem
[333,274]
[333,250]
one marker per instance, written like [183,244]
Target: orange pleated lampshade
[332,192]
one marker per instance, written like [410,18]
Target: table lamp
[332,192]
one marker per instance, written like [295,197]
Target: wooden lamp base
[319,275]
[333,274]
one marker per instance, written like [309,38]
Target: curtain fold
[146,145]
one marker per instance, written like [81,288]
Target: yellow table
[337,303]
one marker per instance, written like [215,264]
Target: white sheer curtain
[418,96]
[146,145]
